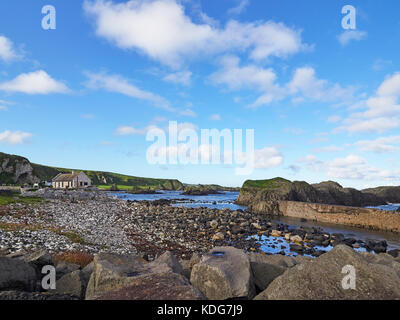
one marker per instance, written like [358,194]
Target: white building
[72,180]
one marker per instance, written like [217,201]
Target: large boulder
[37,259]
[111,271]
[159,286]
[16,274]
[322,279]
[224,273]
[169,260]
[268,267]
[64,268]
[72,284]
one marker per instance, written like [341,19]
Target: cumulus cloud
[306,84]
[303,85]
[267,158]
[118,84]
[188,113]
[129,130]
[4,105]
[380,112]
[175,36]
[14,137]
[7,51]
[351,35]
[181,77]
[38,82]
[351,167]
[239,8]
[380,145]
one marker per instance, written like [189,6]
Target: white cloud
[38,82]
[295,131]
[237,77]
[379,125]
[381,111]
[125,130]
[215,117]
[129,130]
[4,105]
[175,36]
[7,51]
[351,35]
[118,84]
[188,113]
[181,77]
[380,64]
[380,145]
[334,119]
[251,76]
[332,148]
[351,167]
[14,137]
[305,83]
[240,7]
[267,158]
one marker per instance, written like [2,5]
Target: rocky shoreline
[94,223]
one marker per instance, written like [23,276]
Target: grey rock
[65,267]
[322,279]
[224,276]
[111,271]
[169,259]
[16,274]
[72,284]
[23,295]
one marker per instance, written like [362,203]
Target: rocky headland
[323,202]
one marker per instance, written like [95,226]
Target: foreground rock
[322,278]
[224,273]
[111,271]
[16,274]
[72,284]
[268,267]
[161,286]
[21,295]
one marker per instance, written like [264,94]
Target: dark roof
[65,177]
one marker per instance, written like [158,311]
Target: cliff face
[390,194]
[329,192]
[16,170]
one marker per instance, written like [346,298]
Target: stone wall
[373,219]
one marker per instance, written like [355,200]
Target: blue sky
[323,101]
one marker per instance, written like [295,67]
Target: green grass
[5,200]
[270,184]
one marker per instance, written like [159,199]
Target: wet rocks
[224,273]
